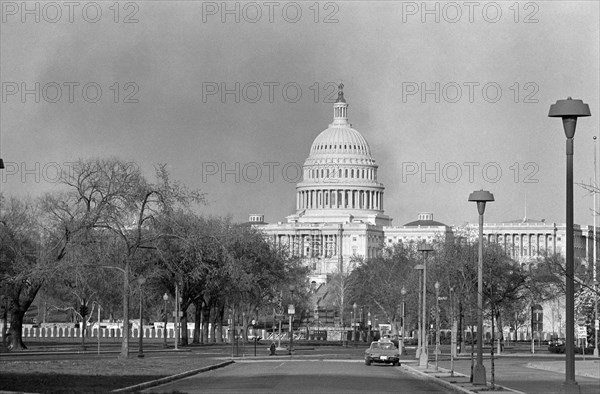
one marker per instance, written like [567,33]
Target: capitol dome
[340,140]
[340,175]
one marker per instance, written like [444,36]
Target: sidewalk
[587,368]
[457,382]
[532,377]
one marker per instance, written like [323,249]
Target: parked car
[556,345]
[382,352]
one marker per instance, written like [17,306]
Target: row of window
[357,173]
[516,241]
[360,148]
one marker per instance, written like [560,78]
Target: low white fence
[70,332]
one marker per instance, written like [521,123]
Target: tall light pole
[141,281]
[291,312]
[481,197]
[437,323]
[569,110]
[419,320]
[369,324]
[403,316]
[452,333]
[361,325]
[354,323]
[594,281]
[165,298]
[4,324]
[177,332]
[424,357]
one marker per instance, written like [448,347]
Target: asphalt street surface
[302,376]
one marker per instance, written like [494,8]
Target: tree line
[107,229]
[510,287]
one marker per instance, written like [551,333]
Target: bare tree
[110,198]
[28,254]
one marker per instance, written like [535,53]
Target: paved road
[291,376]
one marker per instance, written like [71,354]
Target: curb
[455,387]
[171,378]
[438,381]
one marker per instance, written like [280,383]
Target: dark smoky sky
[232,106]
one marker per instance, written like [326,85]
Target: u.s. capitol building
[340,215]
[340,204]
[340,211]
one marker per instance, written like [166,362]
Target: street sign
[442,298]
[291,310]
[581,332]
[597,324]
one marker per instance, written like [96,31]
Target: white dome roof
[342,140]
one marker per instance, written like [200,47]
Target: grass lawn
[93,375]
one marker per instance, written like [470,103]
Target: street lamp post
[369,324]
[424,357]
[594,281]
[361,325]
[402,315]
[141,281]
[4,327]
[569,110]
[177,332]
[165,298]
[481,197]
[419,320]
[437,323]
[354,323]
[291,312]
[452,333]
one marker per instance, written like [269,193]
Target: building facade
[527,239]
[340,215]
[340,204]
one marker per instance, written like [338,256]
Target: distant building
[339,202]
[424,229]
[340,214]
[526,239]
